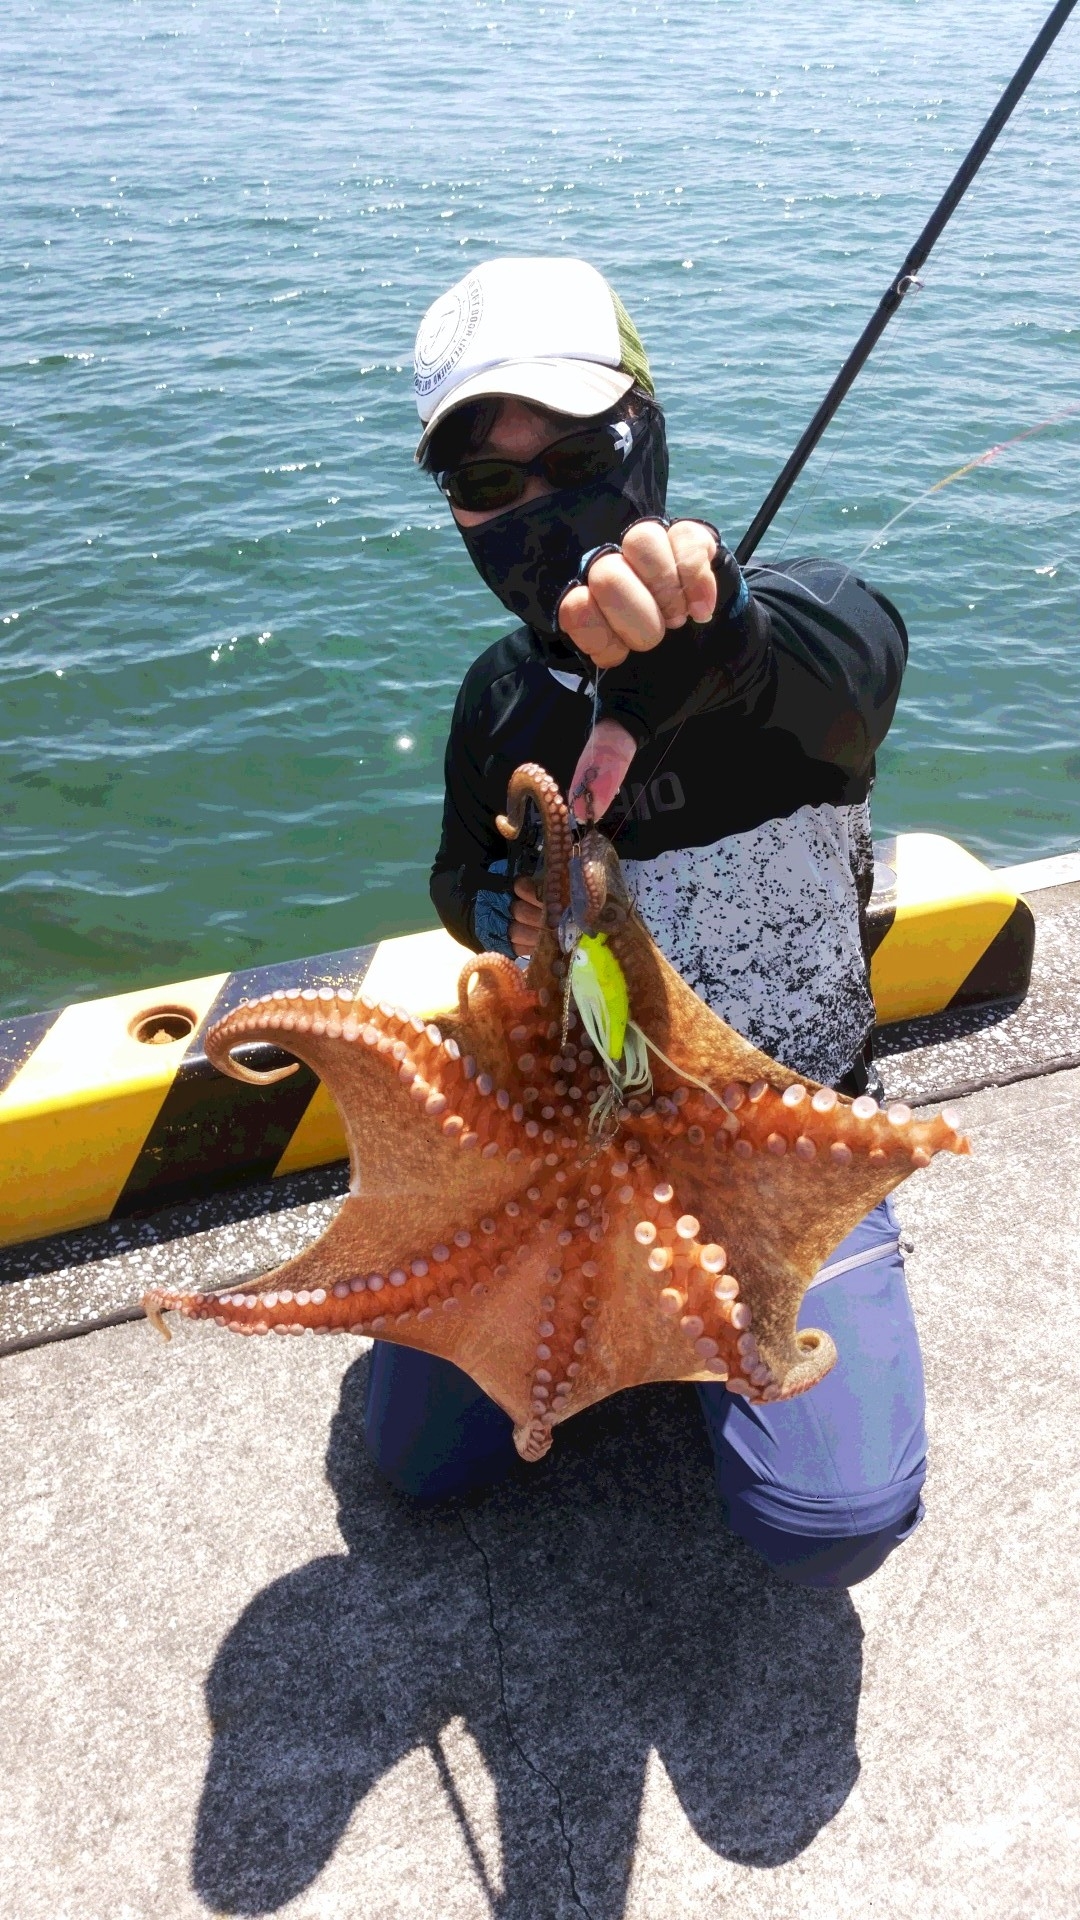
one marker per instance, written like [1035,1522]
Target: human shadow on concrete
[589,1610]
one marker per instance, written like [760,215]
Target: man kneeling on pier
[725,728]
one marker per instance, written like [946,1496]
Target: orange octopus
[555,1243]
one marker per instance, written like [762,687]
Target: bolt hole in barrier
[162,1026]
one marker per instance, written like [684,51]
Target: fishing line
[980,460]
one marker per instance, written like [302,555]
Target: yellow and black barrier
[945,930]
[110,1107]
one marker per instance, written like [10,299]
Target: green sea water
[233,617]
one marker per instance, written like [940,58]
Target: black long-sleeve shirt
[743,825]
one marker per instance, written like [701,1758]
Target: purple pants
[823,1487]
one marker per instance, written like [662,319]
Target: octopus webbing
[492,1220]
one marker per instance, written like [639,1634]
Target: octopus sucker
[487,1223]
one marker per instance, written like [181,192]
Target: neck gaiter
[530,554]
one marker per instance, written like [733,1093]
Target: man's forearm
[454,905]
[695,669]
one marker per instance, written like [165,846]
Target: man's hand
[660,578]
[526,918]
[601,770]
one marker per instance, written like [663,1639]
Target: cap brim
[579,388]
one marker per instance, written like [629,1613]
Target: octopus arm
[416,1109]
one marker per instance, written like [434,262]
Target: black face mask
[529,555]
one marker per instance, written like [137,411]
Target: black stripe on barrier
[19,1038]
[212,1132]
[1003,971]
[881,911]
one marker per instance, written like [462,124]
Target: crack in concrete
[527,1760]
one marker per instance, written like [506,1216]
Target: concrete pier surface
[240,1676]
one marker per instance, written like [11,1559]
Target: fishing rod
[904,281]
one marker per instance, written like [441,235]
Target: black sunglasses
[486,486]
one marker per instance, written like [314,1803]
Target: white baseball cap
[547,330]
